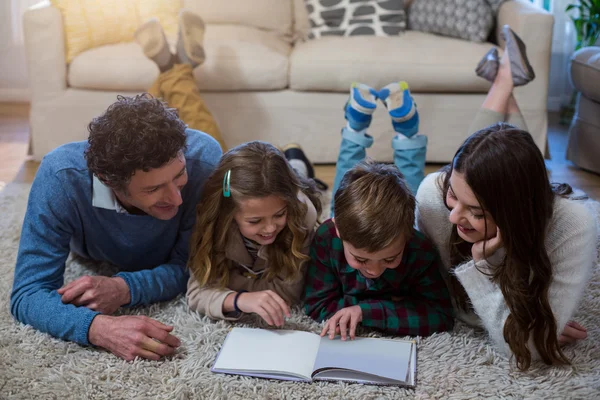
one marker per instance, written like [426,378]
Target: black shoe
[293,152]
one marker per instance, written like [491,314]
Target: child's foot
[300,163]
[488,66]
[360,106]
[402,108]
[521,69]
[154,44]
[191,35]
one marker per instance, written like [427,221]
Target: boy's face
[156,192]
[373,265]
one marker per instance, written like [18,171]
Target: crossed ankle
[358,132]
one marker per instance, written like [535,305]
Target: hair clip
[227,184]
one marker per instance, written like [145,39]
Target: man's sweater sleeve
[47,230]
[165,281]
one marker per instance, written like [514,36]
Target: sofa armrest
[45,50]
[534,26]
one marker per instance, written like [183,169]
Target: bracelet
[235,299]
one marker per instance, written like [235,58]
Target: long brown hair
[258,169]
[505,170]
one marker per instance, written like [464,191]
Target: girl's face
[466,212]
[261,218]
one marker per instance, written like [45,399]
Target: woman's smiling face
[466,212]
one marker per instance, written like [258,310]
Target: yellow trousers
[178,88]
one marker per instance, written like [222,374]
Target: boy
[369,264]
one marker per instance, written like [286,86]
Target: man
[128,197]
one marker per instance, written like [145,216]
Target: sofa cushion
[237,58]
[429,63]
[272,15]
[89,23]
[166,11]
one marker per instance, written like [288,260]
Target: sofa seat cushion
[429,63]
[237,58]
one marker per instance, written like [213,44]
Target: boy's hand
[344,320]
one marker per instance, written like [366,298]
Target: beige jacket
[209,301]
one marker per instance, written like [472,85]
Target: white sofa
[262,82]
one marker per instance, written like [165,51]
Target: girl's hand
[266,303]
[344,320]
[491,245]
[572,333]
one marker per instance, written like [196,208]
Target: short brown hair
[374,206]
[134,133]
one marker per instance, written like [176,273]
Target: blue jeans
[409,157]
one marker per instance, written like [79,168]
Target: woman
[517,251]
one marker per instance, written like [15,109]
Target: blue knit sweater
[150,253]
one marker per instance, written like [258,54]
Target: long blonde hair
[258,169]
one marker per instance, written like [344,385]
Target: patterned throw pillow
[356,17]
[495,4]
[464,19]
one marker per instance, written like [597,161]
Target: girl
[517,251]
[254,224]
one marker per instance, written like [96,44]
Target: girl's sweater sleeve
[571,246]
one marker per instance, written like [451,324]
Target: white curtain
[14,82]
[17,9]
[563,46]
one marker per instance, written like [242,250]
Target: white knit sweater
[570,243]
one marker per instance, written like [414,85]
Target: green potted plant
[587,21]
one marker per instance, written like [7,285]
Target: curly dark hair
[135,133]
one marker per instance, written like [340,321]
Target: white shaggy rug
[457,365]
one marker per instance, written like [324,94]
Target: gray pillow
[464,19]
[356,17]
[495,4]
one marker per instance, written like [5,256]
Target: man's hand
[98,293]
[129,337]
[572,333]
[344,320]
[266,303]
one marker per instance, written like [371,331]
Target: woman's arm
[571,246]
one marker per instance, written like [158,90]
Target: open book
[304,356]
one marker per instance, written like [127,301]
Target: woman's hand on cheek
[489,246]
